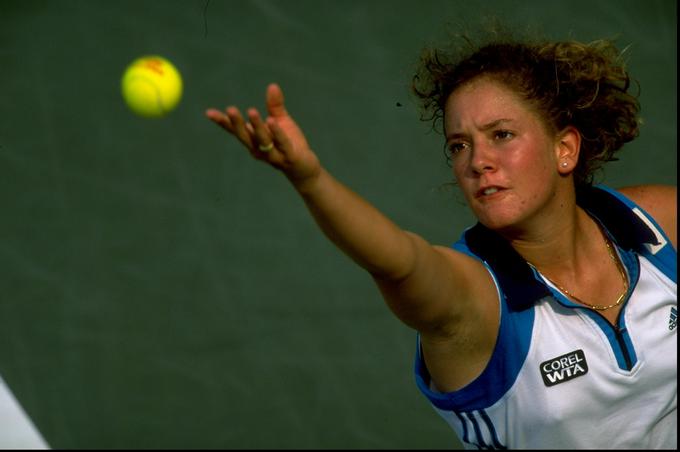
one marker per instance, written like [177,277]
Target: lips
[488,190]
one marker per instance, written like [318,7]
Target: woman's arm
[429,288]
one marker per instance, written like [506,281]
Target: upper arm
[447,294]
[452,300]
[660,201]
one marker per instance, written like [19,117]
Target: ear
[567,149]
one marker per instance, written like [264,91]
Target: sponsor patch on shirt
[564,368]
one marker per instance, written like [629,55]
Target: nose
[482,159]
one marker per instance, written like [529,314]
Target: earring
[564,164]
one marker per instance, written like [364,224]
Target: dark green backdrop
[160,289]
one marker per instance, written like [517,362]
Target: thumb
[275,104]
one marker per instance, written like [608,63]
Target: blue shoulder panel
[512,346]
[633,228]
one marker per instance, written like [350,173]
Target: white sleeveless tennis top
[561,376]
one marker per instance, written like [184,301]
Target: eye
[503,135]
[455,148]
[452,149]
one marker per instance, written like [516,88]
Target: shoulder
[660,201]
[650,194]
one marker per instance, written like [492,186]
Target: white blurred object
[16,429]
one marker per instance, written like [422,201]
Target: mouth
[486,192]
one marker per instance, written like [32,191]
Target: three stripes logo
[479,431]
[673,321]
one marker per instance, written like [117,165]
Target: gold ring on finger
[266,148]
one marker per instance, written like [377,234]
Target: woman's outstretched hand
[276,140]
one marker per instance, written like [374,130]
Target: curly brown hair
[584,85]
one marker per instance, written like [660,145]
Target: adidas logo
[673,321]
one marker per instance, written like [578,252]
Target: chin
[499,221]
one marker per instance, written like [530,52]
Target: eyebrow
[483,128]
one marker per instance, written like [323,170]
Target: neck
[561,246]
[549,229]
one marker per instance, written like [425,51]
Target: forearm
[356,227]
[351,223]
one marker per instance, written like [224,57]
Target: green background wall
[160,289]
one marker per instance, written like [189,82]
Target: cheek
[531,161]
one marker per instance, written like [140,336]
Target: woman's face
[504,160]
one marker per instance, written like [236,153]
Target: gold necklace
[619,265]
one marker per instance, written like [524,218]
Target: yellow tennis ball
[151,86]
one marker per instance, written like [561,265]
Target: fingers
[256,134]
[232,121]
[219,118]
[262,137]
[275,101]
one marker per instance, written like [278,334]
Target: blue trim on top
[665,259]
[632,265]
[461,245]
[507,358]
